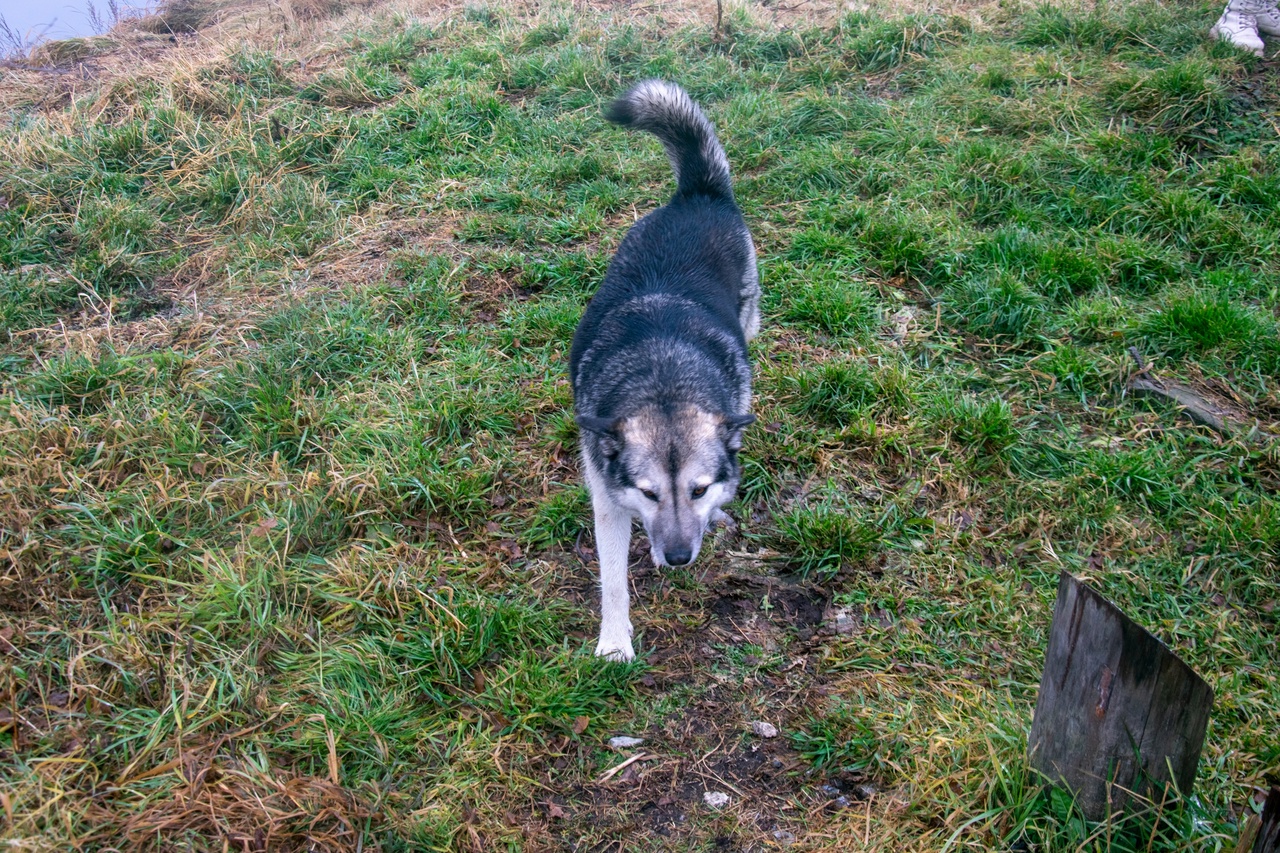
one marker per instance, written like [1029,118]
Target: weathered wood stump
[1119,715]
[1268,838]
[1260,833]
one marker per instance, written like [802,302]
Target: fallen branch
[1197,408]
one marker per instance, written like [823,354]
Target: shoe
[1239,24]
[1268,21]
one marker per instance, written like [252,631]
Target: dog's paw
[615,644]
[619,652]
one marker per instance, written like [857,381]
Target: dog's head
[673,468]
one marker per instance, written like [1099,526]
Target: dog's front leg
[613,539]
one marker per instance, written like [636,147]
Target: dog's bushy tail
[667,111]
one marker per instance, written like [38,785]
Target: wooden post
[1268,838]
[1260,833]
[1118,714]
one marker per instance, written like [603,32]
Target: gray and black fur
[661,379]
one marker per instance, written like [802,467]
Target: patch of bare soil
[734,642]
[758,607]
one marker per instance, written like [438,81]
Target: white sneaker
[1240,27]
[1269,21]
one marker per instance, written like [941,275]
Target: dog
[659,368]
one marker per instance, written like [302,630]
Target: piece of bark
[1197,407]
[1118,714]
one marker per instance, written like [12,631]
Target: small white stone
[624,742]
[715,799]
[842,620]
[764,729]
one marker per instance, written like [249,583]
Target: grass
[293,547]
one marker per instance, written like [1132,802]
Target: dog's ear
[608,433]
[734,426]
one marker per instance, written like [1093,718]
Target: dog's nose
[678,557]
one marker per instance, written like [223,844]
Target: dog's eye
[699,492]
[653,496]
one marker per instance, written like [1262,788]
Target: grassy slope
[289,502]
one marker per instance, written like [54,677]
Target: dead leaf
[580,724]
[265,525]
[554,812]
[478,680]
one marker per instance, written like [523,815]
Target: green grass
[291,526]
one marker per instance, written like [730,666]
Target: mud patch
[786,604]
[737,643]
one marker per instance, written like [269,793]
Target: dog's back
[685,273]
